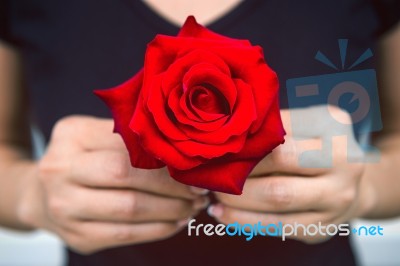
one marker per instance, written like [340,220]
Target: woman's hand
[87,192]
[295,182]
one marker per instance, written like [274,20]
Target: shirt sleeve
[388,12]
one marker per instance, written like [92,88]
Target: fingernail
[201,203]
[215,211]
[199,191]
[184,222]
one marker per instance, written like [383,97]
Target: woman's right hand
[86,191]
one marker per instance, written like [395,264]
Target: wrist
[367,195]
[29,191]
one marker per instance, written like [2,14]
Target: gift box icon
[354,91]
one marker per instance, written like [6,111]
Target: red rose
[204,105]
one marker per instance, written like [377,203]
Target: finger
[286,121]
[279,194]
[317,121]
[297,157]
[87,133]
[94,236]
[228,215]
[132,206]
[112,169]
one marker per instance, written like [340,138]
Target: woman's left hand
[315,176]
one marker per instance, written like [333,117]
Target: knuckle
[128,205]
[347,197]
[47,166]
[56,209]
[357,170]
[229,215]
[50,169]
[285,153]
[226,198]
[278,193]
[340,114]
[117,166]
[184,210]
[123,234]
[165,231]
[66,126]
[277,155]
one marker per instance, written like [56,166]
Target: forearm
[16,168]
[383,177]
[382,181]
[17,174]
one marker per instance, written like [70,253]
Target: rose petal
[204,73]
[228,173]
[175,72]
[206,101]
[244,114]
[180,110]
[193,149]
[269,136]
[247,64]
[122,102]
[196,114]
[252,69]
[154,142]
[192,29]
[221,175]
[164,50]
[186,117]
[157,106]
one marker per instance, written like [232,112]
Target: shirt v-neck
[162,24]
